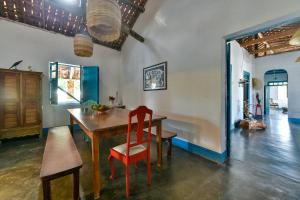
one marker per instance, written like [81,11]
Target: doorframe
[267,87]
[292,18]
[248,75]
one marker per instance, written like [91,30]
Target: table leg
[96,166]
[76,184]
[46,190]
[71,125]
[159,144]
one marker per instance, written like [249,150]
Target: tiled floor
[265,165]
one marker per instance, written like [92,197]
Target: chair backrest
[140,113]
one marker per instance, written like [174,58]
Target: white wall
[37,47]
[241,61]
[188,34]
[283,61]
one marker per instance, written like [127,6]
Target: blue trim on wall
[45,130]
[294,120]
[201,151]
[228,99]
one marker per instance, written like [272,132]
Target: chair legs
[127,181]
[112,169]
[110,159]
[169,148]
[149,170]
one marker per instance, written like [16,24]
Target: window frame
[89,75]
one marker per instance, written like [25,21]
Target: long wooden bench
[60,158]
[167,136]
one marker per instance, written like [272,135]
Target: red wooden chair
[133,151]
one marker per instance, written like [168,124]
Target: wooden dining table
[100,125]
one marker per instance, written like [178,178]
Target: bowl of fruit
[100,108]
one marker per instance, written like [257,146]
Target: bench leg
[46,190]
[170,147]
[76,184]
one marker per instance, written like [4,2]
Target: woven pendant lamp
[104,19]
[295,40]
[83,45]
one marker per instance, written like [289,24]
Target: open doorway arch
[275,89]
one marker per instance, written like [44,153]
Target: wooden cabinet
[20,103]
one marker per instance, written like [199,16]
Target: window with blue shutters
[73,84]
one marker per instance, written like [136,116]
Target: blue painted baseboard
[294,120]
[201,151]
[45,130]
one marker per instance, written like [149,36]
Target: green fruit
[94,107]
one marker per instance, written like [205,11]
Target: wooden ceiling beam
[133,5]
[271,49]
[267,45]
[132,33]
[269,38]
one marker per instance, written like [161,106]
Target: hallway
[275,150]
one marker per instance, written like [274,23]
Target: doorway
[246,93]
[249,36]
[275,91]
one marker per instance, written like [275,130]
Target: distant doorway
[246,92]
[275,91]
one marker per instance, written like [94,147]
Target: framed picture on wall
[155,77]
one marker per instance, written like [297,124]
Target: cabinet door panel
[31,99]
[11,114]
[9,100]
[31,113]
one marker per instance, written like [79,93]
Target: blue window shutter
[53,82]
[89,83]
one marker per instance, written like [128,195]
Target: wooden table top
[114,118]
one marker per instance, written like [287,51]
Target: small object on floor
[167,136]
[258,111]
[252,125]
[258,108]
[246,110]
[60,158]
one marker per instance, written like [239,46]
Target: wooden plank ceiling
[60,17]
[273,41]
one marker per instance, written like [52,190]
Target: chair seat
[132,151]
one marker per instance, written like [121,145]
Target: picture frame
[155,77]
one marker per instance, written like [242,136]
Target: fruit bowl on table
[99,108]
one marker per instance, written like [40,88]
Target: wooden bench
[167,136]
[60,158]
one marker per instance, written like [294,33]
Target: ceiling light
[104,19]
[83,45]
